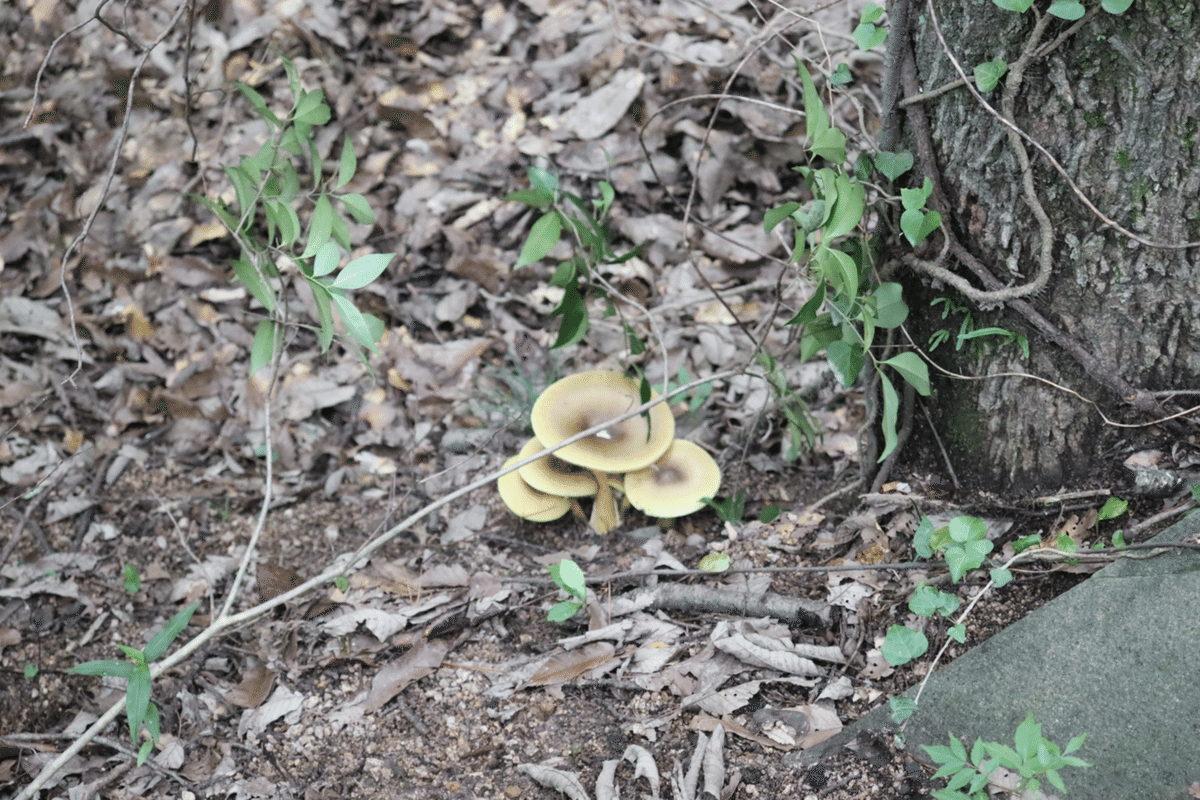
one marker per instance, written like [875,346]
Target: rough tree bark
[1117,103]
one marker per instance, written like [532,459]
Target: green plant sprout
[133,580]
[968,331]
[139,708]
[592,237]
[1113,507]
[270,182]
[1033,755]
[570,579]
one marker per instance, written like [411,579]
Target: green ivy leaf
[989,73]
[903,645]
[1067,9]
[563,611]
[1116,6]
[1020,6]
[917,225]
[913,370]
[1113,507]
[1000,577]
[958,633]
[841,76]
[890,309]
[869,36]
[846,360]
[893,165]
[902,708]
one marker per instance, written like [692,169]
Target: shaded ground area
[426,679]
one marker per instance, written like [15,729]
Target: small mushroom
[673,485]
[586,399]
[554,476]
[527,502]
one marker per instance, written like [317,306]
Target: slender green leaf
[137,698]
[543,181]
[846,359]
[354,321]
[891,412]
[808,311]
[108,668]
[774,216]
[361,271]
[254,282]
[162,640]
[358,207]
[348,164]
[574,318]
[311,108]
[542,237]
[320,228]
[258,104]
[815,116]
[263,350]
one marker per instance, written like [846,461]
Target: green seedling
[139,708]
[570,579]
[731,509]
[1032,756]
[133,580]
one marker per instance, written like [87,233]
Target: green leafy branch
[848,307]
[587,224]
[269,182]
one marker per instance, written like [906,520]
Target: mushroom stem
[604,511]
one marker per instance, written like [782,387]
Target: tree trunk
[1118,105]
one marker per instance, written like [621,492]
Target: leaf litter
[432,674]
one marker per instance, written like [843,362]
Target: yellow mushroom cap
[527,502]
[554,476]
[587,399]
[673,485]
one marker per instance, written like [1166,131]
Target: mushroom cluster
[662,476]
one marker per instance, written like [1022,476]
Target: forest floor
[129,460]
